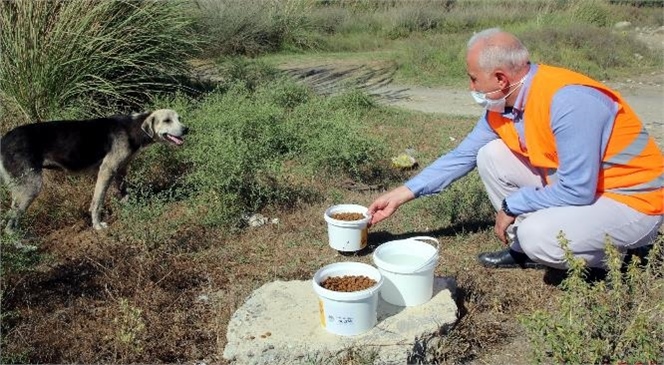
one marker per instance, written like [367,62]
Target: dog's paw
[100,225]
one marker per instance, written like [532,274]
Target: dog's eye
[167,120]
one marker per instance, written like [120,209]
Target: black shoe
[506,259]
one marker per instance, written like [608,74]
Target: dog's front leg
[111,164]
[103,181]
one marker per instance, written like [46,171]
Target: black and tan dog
[75,145]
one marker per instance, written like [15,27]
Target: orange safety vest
[632,170]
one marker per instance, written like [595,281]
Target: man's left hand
[502,222]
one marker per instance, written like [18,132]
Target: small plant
[592,12]
[261,136]
[613,321]
[349,356]
[18,253]
[130,330]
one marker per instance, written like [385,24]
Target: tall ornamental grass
[96,56]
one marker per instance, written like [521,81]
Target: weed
[9,357]
[348,356]
[611,321]
[285,94]
[234,161]
[17,253]
[593,12]
[250,74]
[129,330]
[581,47]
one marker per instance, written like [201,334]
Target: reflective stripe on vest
[653,185]
[628,153]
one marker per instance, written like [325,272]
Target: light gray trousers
[585,227]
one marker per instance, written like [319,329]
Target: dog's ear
[148,126]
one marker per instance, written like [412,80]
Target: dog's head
[164,125]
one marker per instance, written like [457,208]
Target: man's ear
[148,126]
[503,80]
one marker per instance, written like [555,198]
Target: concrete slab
[280,324]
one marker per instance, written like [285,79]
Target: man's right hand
[388,203]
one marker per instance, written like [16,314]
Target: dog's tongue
[178,141]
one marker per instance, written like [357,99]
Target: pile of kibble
[348,216]
[348,283]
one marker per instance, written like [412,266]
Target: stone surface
[279,324]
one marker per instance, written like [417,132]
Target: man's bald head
[495,49]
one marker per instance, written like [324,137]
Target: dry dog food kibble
[348,283]
[348,216]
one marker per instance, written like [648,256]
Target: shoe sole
[528,265]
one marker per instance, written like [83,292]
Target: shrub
[98,55]
[616,321]
[249,73]
[410,19]
[334,141]
[248,145]
[594,12]
[464,201]
[589,50]
[254,27]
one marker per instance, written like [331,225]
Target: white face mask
[494,105]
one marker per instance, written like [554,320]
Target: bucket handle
[433,257]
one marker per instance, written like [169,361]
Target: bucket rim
[348,296]
[428,264]
[351,208]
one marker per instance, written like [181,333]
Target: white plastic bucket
[407,267]
[347,313]
[347,236]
